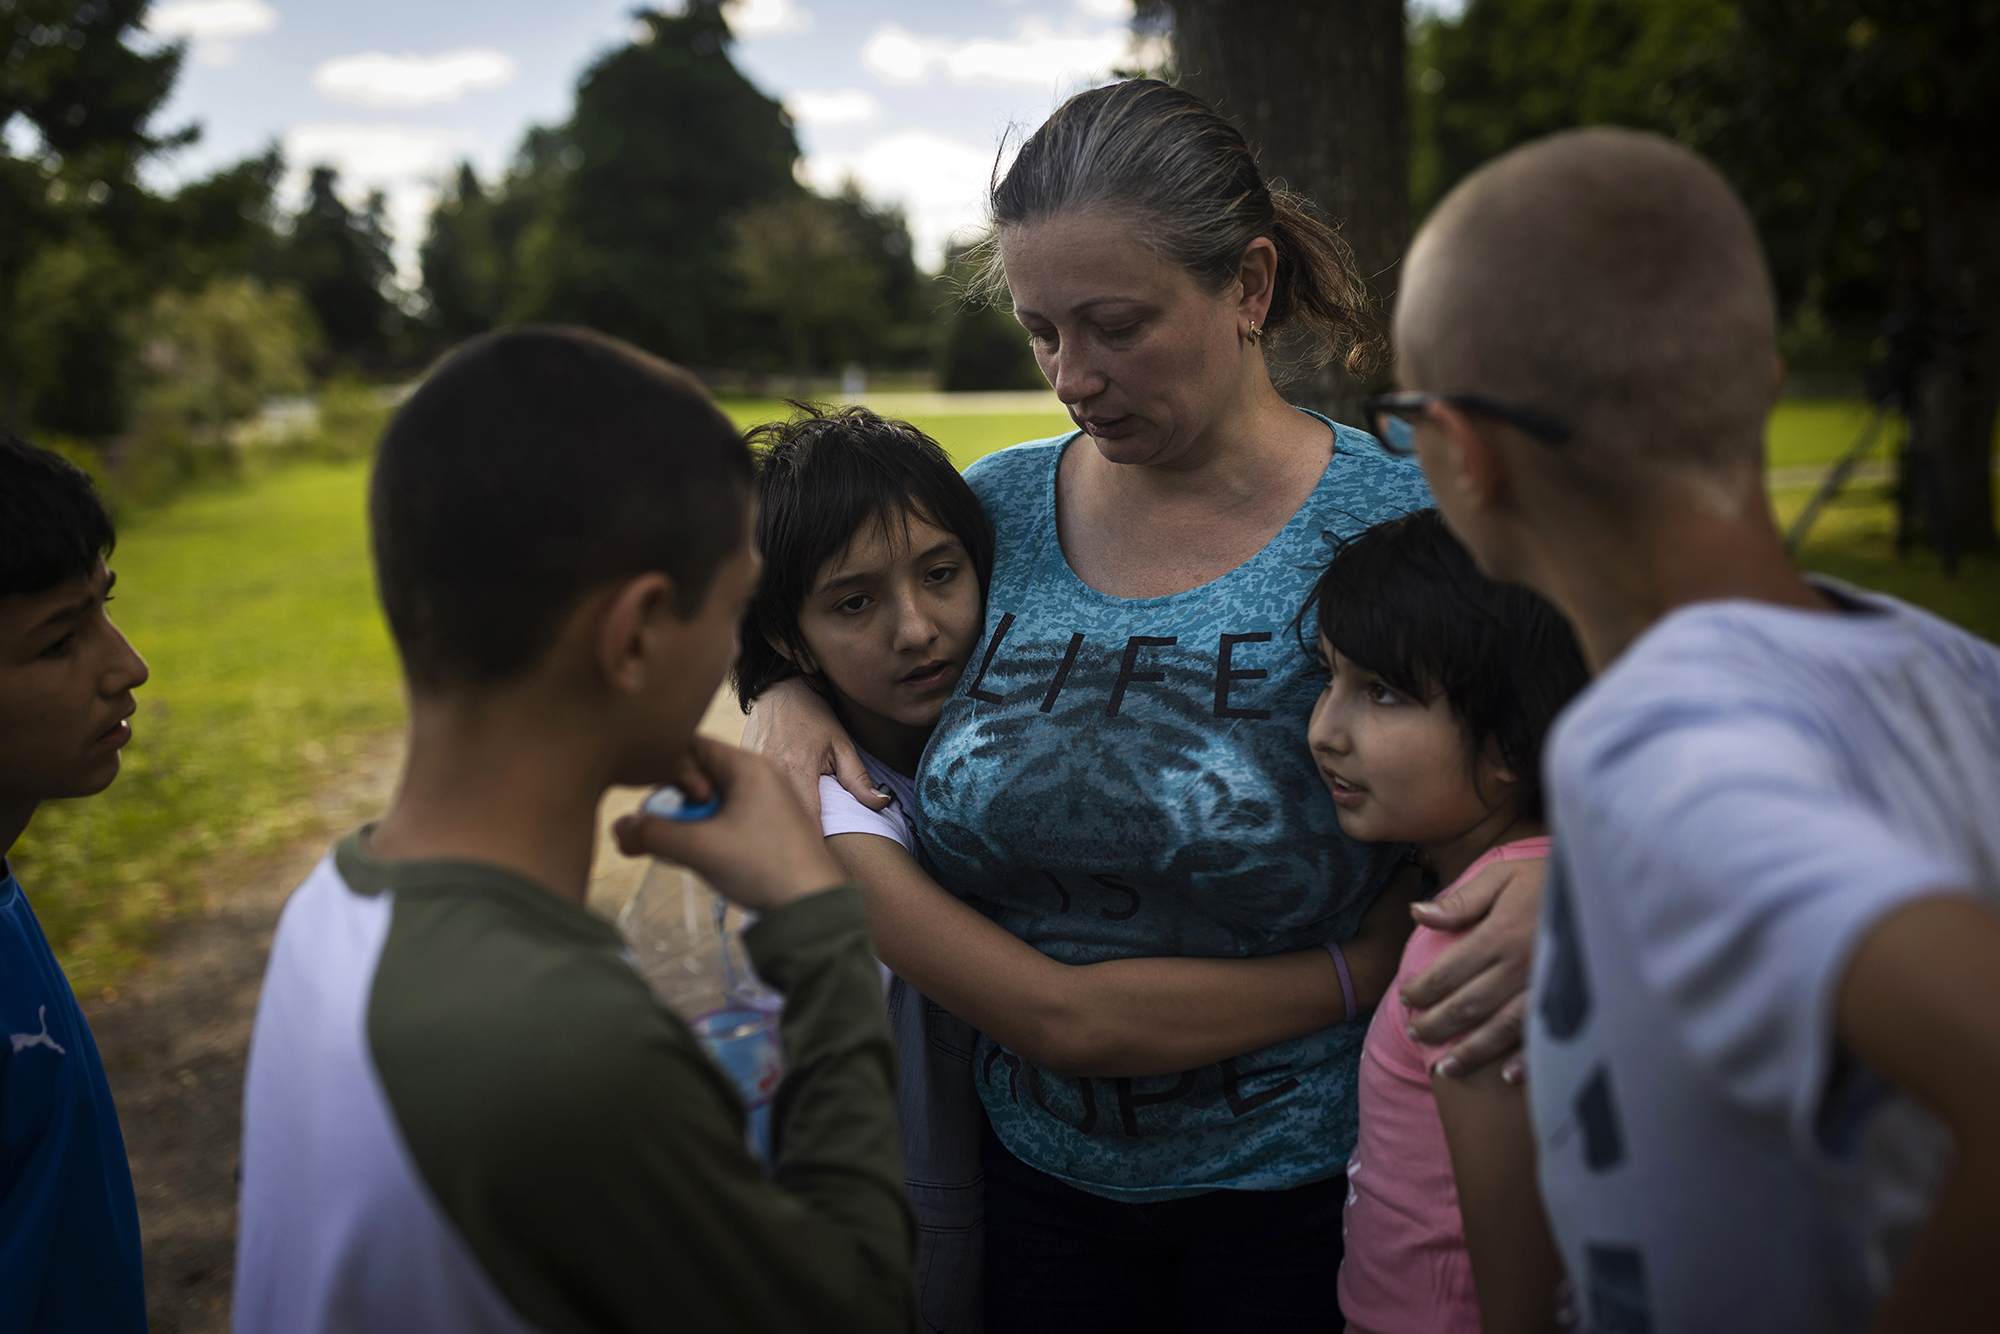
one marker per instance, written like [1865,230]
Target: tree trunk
[1317,88]
[1957,389]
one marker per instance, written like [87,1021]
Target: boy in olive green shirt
[464,1108]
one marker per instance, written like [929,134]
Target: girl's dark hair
[1405,600]
[1189,184]
[821,477]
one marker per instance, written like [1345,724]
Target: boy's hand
[760,851]
[1480,984]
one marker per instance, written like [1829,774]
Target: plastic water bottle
[687,941]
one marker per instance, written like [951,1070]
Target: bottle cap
[670,803]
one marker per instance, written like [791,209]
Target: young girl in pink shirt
[1441,686]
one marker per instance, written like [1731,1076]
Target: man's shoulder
[1730,664]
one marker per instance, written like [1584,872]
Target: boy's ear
[1471,466]
[798,658]
[635,609]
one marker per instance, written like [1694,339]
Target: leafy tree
[668,142]
[339,257]
[213,356]
[72,204]
[1508,71]
[979,345]
[224,223]
[831,272]
[1861,134]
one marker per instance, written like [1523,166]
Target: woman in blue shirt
[1122,771]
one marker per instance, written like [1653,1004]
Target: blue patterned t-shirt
[1129,777]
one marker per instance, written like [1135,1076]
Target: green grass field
[272,671]
[965,437]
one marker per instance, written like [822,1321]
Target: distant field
[966,436]
[1808,431]
[272,670]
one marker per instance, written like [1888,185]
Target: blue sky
[908,98]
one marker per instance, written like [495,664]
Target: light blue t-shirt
[1130,777]
[69,1225]
[1738,801]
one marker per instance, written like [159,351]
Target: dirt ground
[174,1036]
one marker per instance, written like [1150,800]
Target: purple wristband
[1346,980]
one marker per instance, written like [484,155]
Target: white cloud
[204,20]
[1039,56]
[377,79]
[940,183]
[1120,10]
[844,107]
[208,26]
[760,18]
[404,162]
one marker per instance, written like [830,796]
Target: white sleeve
[840,813]
[1744,875]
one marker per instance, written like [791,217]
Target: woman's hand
[793,727]
[1479,987]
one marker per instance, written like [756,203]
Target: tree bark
[1957,389]
[1317,88]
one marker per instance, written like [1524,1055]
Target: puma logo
[23,1041]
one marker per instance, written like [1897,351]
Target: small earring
[1256,334]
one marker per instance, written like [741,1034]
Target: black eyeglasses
[1389,417]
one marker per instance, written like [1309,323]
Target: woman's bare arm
[1515,1264]
[793,727]
[1125,1017]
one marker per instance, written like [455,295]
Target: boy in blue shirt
[1764,1030]
[69,1226]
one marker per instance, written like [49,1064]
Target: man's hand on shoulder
[761,850]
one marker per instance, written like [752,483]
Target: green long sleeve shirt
[552,1148]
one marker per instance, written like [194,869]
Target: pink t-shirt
[1407,1270]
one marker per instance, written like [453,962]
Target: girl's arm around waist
[1124,1017]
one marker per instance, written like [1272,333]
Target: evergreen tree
[339,257]
[464,269]
[669,141]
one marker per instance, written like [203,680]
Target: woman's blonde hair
[1189,184]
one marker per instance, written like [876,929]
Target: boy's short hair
[53,526]
[536,464]
[1406,601]
[1612,280]
[822,475]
